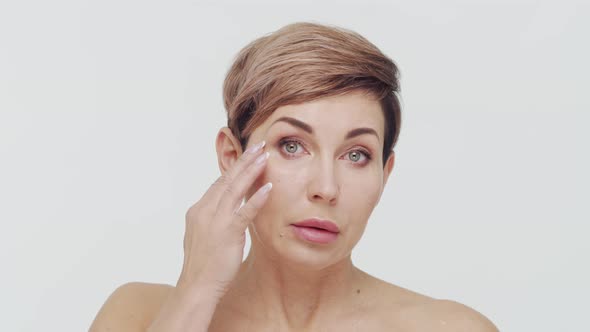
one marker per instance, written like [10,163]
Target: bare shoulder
[403,309]
[131,307]
[447,315]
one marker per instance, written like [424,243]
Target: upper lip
[318,223]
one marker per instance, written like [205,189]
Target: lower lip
[314,235]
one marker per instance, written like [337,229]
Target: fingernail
[262,158]
[266,188]
[255,148]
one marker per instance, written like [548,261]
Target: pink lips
[316,230]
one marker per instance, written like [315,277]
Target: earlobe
[228,149]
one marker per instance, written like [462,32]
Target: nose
[323,185]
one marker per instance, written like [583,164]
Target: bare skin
[290,284]
[379,306]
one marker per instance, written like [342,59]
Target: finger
[244,216]
[235,192]
[213,195]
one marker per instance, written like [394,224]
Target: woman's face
[321,166]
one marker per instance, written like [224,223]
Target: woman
[316,108]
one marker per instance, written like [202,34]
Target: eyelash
[366,153]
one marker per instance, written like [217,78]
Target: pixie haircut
[302,62]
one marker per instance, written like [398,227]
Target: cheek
[281,172]
[274,214]
[363,192]
[286,180]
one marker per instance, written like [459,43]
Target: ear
[228,149]
[388,167]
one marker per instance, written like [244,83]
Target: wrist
[199,294]
[201,288]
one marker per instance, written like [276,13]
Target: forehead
[351,110]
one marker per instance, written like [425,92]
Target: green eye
[291,146]
[354,155]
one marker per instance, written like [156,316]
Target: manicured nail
[262,158]
[256,147]
[266,188]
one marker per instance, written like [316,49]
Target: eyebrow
[307,128]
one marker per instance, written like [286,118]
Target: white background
[109,110]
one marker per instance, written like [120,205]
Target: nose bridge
[323,182]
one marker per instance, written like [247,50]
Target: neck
[288,295]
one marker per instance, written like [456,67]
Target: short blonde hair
[305,61]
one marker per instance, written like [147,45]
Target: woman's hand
[213,248]
[215,235]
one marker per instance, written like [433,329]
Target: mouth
[318,224]
[316,230]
